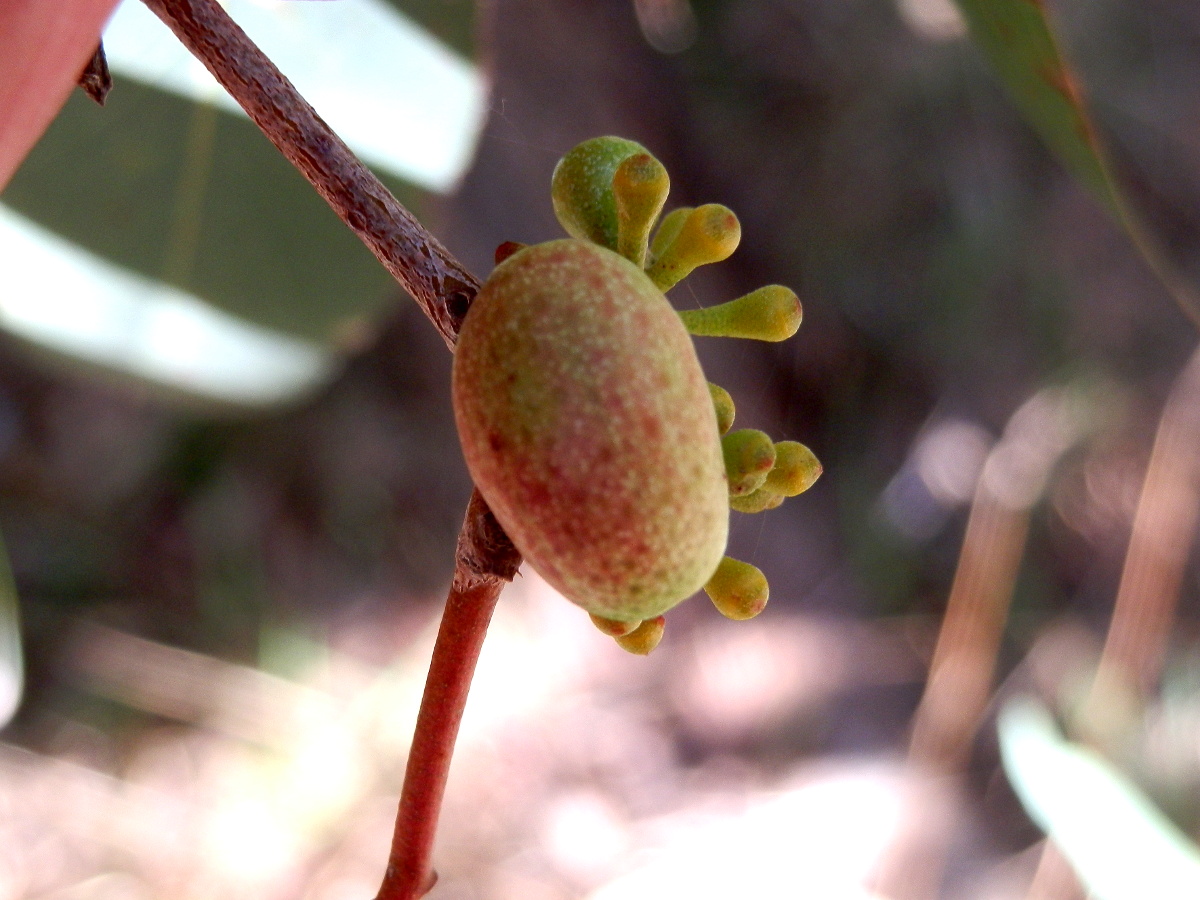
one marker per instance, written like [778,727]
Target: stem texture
[485,561]
[485,558]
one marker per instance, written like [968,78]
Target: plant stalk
[473,596]
[485,559]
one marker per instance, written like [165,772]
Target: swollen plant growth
[585,418]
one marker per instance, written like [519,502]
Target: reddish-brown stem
[473,596]
[426,269]
[485,558]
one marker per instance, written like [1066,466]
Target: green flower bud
[668,230]
[749,455]
[723,404]
[771,313]
[614,627]
[709,234]
[644,638]
[582,188]
[737,589]
[640,186]
[756,501]
[796,469]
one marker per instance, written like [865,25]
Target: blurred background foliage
[953,275]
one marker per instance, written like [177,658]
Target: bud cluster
[609,192]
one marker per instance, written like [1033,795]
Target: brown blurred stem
[1164,530]
[436,280]
[484,562]
[485,558]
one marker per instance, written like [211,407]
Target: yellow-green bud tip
[756,501]
[749,456]
[737,589]
[668,230]
[723,404]
[581,188]
[644,638]
[772,313]
[614,627]
[640,187]
[796,469]
[707,234]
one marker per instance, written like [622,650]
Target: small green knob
[756,501]
[771,313]
[614,627]
[668,230]
[640,187]
[737,589]
[581,188]
[796,469]
[723,404]
[749,455]
[644,638]
[708,234]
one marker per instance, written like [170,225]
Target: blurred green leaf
[1120,845]
[195,258]
[75,303]
[198,199]
[1016,37]
[399,97]
[453,22]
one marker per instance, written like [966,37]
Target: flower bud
[708,234]
[644,638]
[582,188]
[668,230]
[640,186]
[737,589]
[749,455]
[723,404]
[614,627]
[771,313]
[796,469]
[756,501]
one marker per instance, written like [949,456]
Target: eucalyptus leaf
[1017,39]
[1120,845]
[233,280]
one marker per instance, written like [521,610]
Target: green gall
[668,230]
[708,234]
[756,501]
[749,455]
[723,405]
[644,638]
[796,469]
[587,425]
[737,589]
[640,187]
[771,313]
[614,627]
[581,188]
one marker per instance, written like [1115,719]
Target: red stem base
[486,561]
